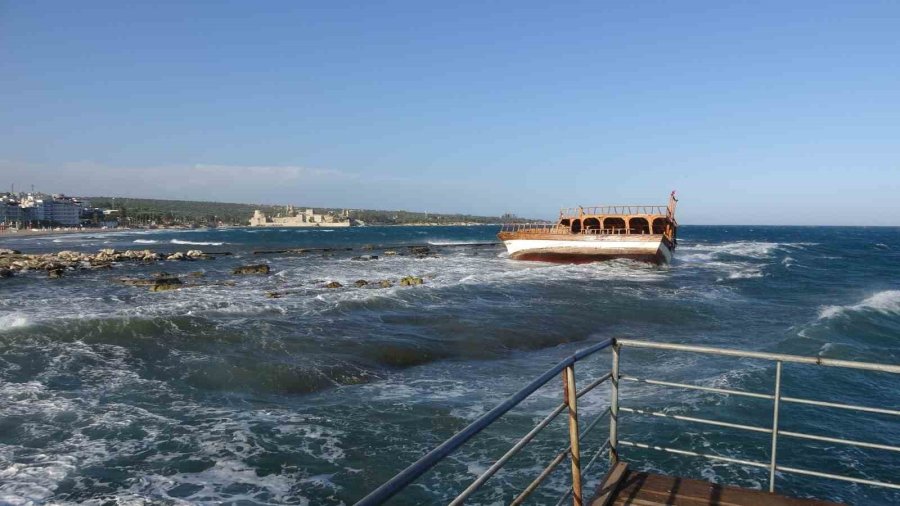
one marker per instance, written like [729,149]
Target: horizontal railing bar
[868,366]
[842,406]
[584,470]
[594,384]
[475,485]
[540,478]
[694,454]
[491,471]
[698,420]
[838,477]
[555,462]
[848,442]
[418,468]
[697,387]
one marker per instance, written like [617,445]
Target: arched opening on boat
[639,226]
[591,224]
[576,226]
[564,222]
[614,224]
[659,226]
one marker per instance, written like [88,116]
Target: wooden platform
[623,487]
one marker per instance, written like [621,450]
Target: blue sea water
[219,394]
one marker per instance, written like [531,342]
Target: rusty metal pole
[614,407]
[572,402]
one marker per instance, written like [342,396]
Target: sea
[217,393]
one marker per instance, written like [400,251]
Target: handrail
[421,466]
[613,444]
[776,397]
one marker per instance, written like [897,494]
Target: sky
[755,112]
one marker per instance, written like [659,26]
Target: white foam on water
[13,321]
[886,302]
[454,243]
[196,243]
[145,241]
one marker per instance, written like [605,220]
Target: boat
[646,233]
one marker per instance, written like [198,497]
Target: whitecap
[885,302]
[145,241]
[12,321]
[195,243]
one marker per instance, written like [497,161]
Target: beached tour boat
[590,234]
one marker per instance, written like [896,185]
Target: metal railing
[528,228]
[570,397]
[576,212]
[776,397]
[614,411]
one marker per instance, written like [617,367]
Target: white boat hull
[590,249]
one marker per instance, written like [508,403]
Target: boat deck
[625,487]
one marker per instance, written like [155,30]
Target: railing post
[777,400]
[571,399]
[614,407]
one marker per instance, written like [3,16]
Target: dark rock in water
[274,295]
[55,273]
[168,283]
[7,251]
[252,269]
[5,273]
[411,281]
[365,258]
[361,282]
[334,284]
[161,275]
[197,274]
[137,282]
[420,250]
[385,283]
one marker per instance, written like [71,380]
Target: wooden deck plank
[646,489]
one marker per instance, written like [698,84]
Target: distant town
[38,211]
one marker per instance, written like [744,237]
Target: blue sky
[756,112]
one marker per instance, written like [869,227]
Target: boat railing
[577,212]
[557,229]
[613,412]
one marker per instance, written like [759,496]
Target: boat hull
[584,249]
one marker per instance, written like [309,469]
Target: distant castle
[307,218]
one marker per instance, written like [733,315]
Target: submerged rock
[6,273]
[385,283]
[160,284]
[361,283]
[252,269]
[334,284]
[411,281]
[274,295]
[55,273]
[364,258]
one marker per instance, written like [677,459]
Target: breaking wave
[12,321]
[886,302]
[145,241]
[195,243]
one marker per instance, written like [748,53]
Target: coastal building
[39,208]
[305,218]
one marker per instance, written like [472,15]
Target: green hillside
[188,212]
